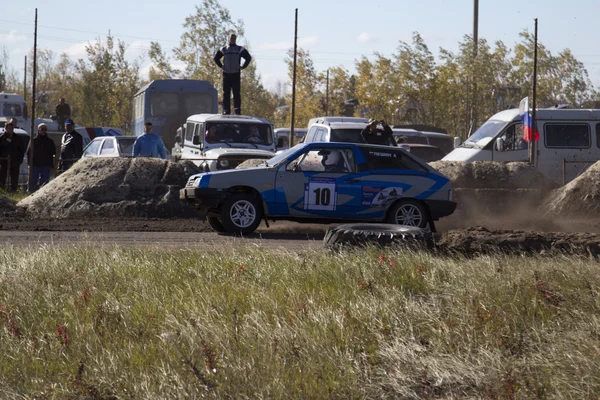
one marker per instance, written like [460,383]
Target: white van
[217,142]
[13,105]
[569,141]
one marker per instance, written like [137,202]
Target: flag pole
[532,141]
[293,117]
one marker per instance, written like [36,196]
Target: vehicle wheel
[216,224]
[409,213]
[241,213]
[378,235]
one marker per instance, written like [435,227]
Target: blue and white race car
[324,182]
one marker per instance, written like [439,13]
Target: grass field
[85,322]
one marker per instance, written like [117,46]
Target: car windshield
[283,155]
[346,135]
[229,132]
[126,145]
[484,134]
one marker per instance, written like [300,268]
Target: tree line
[455,90]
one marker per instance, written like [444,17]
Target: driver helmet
[331,158]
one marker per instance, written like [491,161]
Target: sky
[336,33]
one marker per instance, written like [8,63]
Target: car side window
[324,160]
[189,131]
[310,136]
[513,138]
[392,159]
[108,147]
[92,149]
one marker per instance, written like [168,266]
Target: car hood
[250,153]
[465,154]
[233,176]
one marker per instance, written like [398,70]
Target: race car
[324,183]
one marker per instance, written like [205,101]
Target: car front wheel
[408,212]
[216,224]
[241,214]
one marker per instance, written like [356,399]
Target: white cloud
[309,41]
[365,37]
[76,51]
[12,37]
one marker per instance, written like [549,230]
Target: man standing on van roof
[374,135]
[149,144]
[71,147]
[63,112]
[232,56]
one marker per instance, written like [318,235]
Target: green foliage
[308,96]
[112,322]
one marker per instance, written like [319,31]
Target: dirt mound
[580,197]
[6,204]
[493,175]
[114,187]
[252,162]
[479,240]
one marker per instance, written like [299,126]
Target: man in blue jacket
[149,144]
[231,67]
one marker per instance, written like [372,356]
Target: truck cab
[218,142]
[569,141]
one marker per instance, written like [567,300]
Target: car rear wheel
[216,224]
[241,213]
[408,212]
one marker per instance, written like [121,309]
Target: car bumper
[203,197]
[440,208]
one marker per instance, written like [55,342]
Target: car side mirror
[499,144]
[457,142]
[196,139]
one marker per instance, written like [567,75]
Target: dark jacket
[71,148]
[63,111]
[13,147]
[231,56]
[383,136]
[44,151]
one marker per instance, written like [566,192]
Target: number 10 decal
[320,194]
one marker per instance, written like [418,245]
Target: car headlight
[224,163]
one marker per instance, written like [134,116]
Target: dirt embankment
[114,188]
[480,240]
[580,198]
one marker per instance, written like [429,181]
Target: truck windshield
[256,134]
[12,110]
[485,133]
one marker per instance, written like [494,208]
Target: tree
[342,88]
[206,32]
[256,100]
[307,87]
[161,68]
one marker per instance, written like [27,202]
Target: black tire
[350,235]
[408,212]
[241,213]
[216,224]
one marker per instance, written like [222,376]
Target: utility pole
[532,142]
[475,51]
[25,80]
[327,96]
[31,132]
[294,81]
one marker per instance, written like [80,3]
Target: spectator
[149,144]
[232,56]
[254,136]
[15,123]
[374,135]
[71,148]
[44,152]
[63,112]
[12,151]
[401,140]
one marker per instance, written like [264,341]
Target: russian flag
[527,120]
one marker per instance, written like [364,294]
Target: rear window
[346,135]
[444,144]
[383,159]
[164,104]
[427,154]
[573,136]
[126,145]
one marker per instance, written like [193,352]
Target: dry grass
[84,322]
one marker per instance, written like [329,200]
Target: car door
[311,186]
